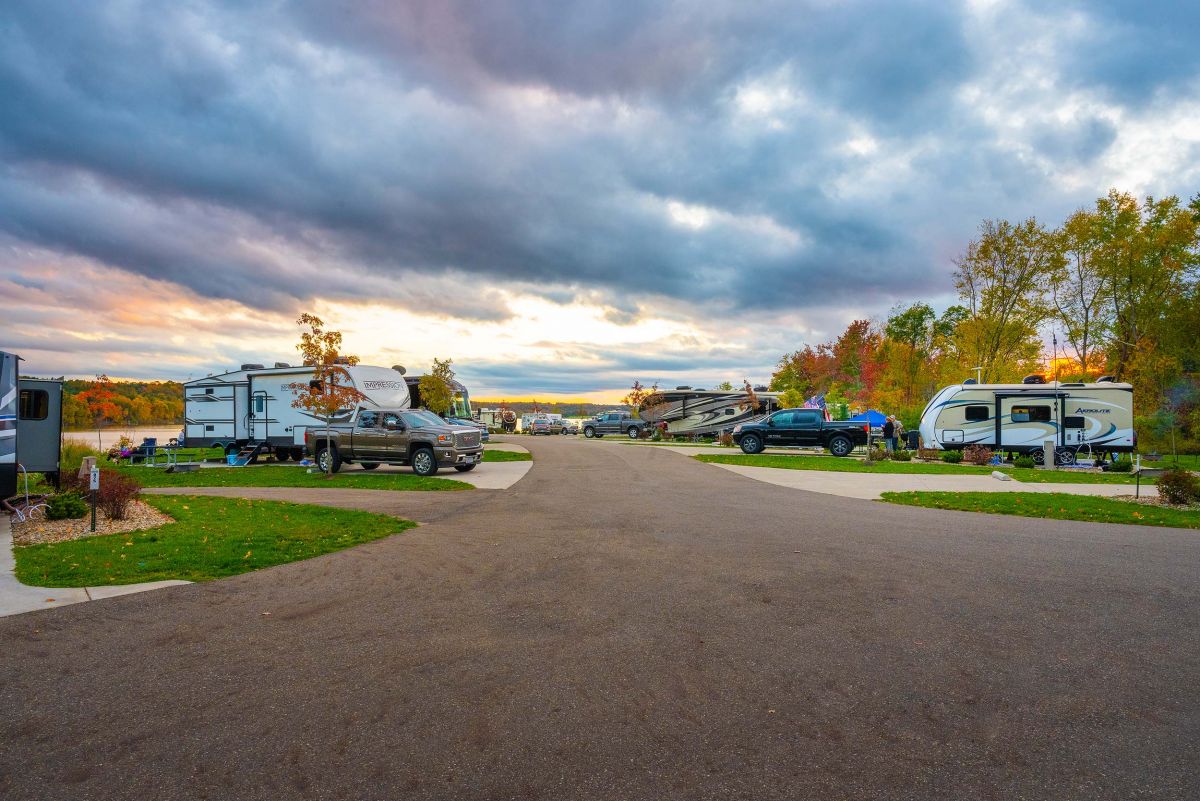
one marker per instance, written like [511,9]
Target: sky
[561,196]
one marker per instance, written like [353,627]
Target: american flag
[817,402]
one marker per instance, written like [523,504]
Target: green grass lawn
[851,465]
[210,538]
[507,456]
[1059,506]
[288,476]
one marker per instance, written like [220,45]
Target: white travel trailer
[251,408]
[1020,418]
[705,412]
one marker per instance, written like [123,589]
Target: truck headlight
[737,429]
[445,437]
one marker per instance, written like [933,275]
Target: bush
[726,440]
[977,454]
[116,491]
[1024,461]
[930,454]
[72,454]
[952,457]
[1120,466]
[902,456]
[1179,487]
[878,454]
[66,506]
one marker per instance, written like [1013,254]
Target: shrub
[116,491]
[1120,466]
[1024,461]
[902,456]
[952,457]
[656,436]
[977,454]
[930,454]
[879,454]
[726,439]
[66,506]
[1179,487]
[72,454]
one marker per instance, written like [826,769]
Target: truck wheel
[632,432]
[751,444]
[840,446]
[423,462]
[464,468]
[589,432]
[369,465]
[329,460]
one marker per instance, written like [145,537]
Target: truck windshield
[420,417]
[462,405]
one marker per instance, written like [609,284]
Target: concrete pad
[16,597]
[871,486]
[487,475]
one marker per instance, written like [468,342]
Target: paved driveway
[625,623]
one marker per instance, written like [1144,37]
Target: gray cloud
[270,155]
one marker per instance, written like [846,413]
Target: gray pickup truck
[613,423]
[413,437]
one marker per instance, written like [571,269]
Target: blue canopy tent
[875,417]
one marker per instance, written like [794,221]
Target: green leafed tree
[437,388]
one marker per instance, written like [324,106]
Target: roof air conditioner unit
[282,364]
[252,367]
[399,368]
[1034,379]
[1105,379]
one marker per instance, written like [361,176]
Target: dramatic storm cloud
[709,183]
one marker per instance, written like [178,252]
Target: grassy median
[507,456]
[852,465]
[1056,505]
[211,538]
[270,475]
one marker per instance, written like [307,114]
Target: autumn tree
[101,403]
[437,388]
[330,393]
[999,278]
[1077,289]
[910,332]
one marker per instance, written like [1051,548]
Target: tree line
[103,402]
[1111,291]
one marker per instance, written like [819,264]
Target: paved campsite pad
[686,633]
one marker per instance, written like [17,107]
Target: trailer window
[34,404]
[1031,414]
[977,413]
[1074,421]
[208,390]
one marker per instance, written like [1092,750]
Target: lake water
[109,436]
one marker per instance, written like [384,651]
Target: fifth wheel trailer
[252,406]
[8,425]
[1093,418]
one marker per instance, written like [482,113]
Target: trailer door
[1025,421]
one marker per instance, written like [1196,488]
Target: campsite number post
[94,484]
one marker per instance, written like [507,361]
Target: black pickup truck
[792,427]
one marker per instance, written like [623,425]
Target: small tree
[330,391]
[751,401]
[437,393]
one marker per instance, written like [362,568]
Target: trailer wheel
[329,460]
[423,462]
[840,446]
[751,444]
[297,454]
[282,454]
[1039,456]
[1064,455]
[369,465]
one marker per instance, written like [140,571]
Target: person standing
[889,434]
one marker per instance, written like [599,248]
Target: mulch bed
[140,515]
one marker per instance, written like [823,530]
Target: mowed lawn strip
[1057,505]
[211,538]
[507,456]
[288,476]
[851,465]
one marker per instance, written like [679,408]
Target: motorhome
[8,425]
[252,407]
[1095,418]
[705,412]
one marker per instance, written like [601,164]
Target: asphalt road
[629,623]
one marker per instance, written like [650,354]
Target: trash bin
[912,440]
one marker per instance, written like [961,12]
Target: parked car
[403,437]
[793,427]
[569,427]
[613,423]
[545,425]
